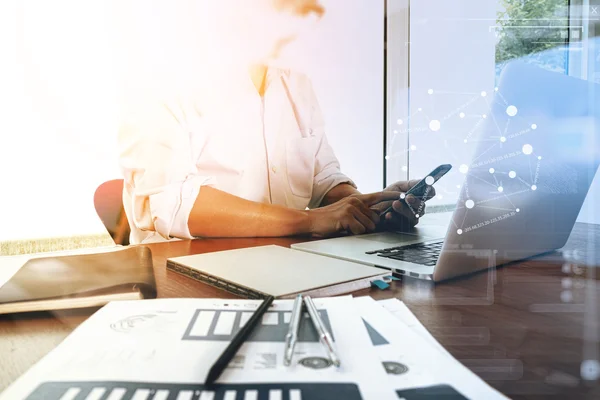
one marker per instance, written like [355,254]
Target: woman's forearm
[337,193]
[220,214]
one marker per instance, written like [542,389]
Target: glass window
[527,29]
[443,63]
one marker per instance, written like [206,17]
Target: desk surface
[526,329]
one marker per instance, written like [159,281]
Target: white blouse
[269,149]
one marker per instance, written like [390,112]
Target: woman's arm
[220,214]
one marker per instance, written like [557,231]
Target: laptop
[535,161]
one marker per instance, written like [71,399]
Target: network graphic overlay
[505,167]
[474,125]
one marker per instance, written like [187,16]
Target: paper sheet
[163,349]
[415,366]
[403,313]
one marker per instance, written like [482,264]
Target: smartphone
[422,188]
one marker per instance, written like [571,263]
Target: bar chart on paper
[157,391]
[220,325]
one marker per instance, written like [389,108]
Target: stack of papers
[163,349]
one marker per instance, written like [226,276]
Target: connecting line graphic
[504,196]
[482,154]
[432,125]
[494,117]
[505,129]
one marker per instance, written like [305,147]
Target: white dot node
[527,149]
[484,116]
[440,197]
[429,180]
[534,187]
[566,296]
[534,126]
[399,122]
[420,109]
[566,268]
[413,147]
[395,132]
[462,115]
[460,231]
[404,168]
[500,189]
[387,157]
[518,210]
[512,174]
[465,140]
[511,111]
[469,204]
[402,196]
[464,168]
[495,89]
[435,125]
[483,94]
[503,139]
[539,157]
[417,215]
[567,283]
[590,370]
[430,91]
[492,170]
[458,186]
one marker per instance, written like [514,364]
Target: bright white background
[67,65]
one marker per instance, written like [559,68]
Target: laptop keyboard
[421,253]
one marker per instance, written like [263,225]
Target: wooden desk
[525,329]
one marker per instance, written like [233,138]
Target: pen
[292,335]
[217,369]
[324,335]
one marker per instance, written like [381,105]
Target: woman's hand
[404,215]
[351,214]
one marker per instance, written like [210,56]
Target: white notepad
[277,271]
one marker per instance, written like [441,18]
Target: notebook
[281,272]
[88,278]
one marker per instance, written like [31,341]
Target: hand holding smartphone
[421,189]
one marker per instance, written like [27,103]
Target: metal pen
[292,335]
[324,335]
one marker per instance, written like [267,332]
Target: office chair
[108,201]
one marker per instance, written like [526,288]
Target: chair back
[108,201]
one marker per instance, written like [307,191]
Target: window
[443,63]
[527,29]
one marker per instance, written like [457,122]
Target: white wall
[75,60]
[57,124]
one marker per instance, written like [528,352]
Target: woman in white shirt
[245,155]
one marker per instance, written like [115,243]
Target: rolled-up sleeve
[161,182]
[328,172]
